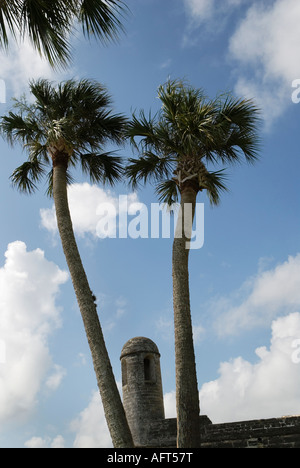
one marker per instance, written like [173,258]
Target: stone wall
[262,433]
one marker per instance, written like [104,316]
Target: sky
[244,279]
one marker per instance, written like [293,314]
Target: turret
[141,386]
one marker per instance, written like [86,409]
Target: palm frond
[27,175]
[72,118]
[104,167]
[101,18]
[147,167]
[142,129]
[14,127]
[236,130]
[80,112]
[8,21]
[214,184]
[167,192]
[180,100]
[49,24]
[44,92]
[189,131]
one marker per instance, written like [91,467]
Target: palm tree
[68,125]
[178,148]
[49,24]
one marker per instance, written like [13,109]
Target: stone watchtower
[142,387]
[144,407]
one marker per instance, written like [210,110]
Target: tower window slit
[149,371]
[124,373]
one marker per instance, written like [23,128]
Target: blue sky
[244,281]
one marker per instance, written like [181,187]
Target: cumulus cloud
[54,380]
[94,211]
[263,48]
[266,44]
[39,442]
[90,426]
[269,36]
[268,388]
[260,299]
[29,286]
[21,63]
[170,404]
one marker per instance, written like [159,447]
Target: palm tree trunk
[113,407]
[187,396]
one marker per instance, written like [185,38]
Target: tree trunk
[187,395]
[113,407]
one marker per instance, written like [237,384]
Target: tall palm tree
[49,24]
[178,148]
[67,126]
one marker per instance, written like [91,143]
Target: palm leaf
[189,131]
[167,192]
[48,26]
[27,175]
[101,19]
[15,127]
[73,118]
[8,14]
[104,167]
[237,123]
[214,184]
[142,129]
[49,23]
[148,167]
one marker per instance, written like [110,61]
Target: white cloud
[89,204]
[203,10]
[39,442]
[55,379]
[266,45]
[21,63]
[170,404]
[260,299]
[90,426]
[29,285]
[207,18]
[269,36]
[263,48]
[266,389]
[200,9]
